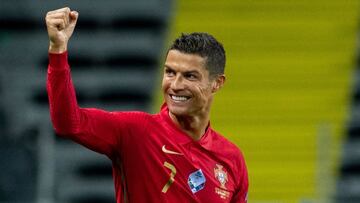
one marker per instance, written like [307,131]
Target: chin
[178,111]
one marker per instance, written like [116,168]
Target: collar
[206,141]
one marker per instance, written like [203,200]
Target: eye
[191,76]
[169,72]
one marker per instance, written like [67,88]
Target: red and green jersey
[153,160]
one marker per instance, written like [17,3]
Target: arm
[64,109]
[93,128]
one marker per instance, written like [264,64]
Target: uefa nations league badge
[196,181]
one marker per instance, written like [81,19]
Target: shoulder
[225,146]
[227,149]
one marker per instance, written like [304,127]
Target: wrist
[57,49]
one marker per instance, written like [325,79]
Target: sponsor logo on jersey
[196,181]
[222,177]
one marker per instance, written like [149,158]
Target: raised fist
[60,25]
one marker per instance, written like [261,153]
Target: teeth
[179,98]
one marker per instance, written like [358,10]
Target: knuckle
[47,20]
[48,15]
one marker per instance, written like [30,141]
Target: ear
[218,82]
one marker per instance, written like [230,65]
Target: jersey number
[172,175]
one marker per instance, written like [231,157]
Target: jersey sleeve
[241,194]
[96,129]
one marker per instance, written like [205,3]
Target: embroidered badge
[196,181]
[222,177]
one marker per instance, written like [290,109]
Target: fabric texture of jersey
[153,160]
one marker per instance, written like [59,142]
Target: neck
[194,126]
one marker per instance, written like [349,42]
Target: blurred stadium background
[291,101]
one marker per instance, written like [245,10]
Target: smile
[179,98]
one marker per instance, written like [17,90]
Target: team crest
[221,175]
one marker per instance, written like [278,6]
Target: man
[172,156]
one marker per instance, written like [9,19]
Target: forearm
[64,110]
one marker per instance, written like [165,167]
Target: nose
[177,83]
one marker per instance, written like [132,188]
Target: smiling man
[172,156]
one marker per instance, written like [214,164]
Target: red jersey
[153,160]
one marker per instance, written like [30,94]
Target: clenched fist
[60,26]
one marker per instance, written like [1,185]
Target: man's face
[186,85]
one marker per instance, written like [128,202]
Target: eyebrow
[187,72]
[166,66]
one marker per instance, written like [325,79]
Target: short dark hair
[204,45]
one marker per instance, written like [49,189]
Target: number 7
[172,176]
